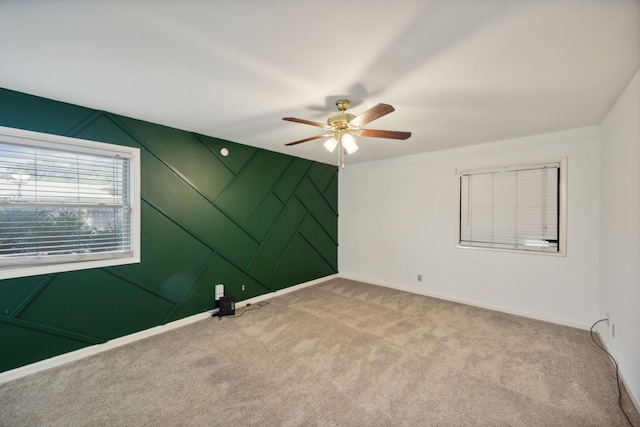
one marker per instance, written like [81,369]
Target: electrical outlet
[243,288]
[613,330]
[419,277]
[219,291]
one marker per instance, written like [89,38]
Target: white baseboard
[73,356]
[632,394]
[478,304]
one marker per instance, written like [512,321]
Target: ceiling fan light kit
[331,144]
[349,143]
[345,126]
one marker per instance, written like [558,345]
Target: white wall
[398,219]
[620,233]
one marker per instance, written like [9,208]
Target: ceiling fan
[343,126]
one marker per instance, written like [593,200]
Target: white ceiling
[458,72]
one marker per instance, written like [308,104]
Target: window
[513,208]
[66,204]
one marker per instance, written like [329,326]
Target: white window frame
[44,266]
[562,202]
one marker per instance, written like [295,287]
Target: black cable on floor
[617,373]
[259,305]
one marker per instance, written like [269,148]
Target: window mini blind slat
[504,209]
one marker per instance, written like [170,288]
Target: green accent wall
[255,218]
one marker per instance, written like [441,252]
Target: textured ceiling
[458,72]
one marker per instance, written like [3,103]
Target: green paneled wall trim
[255,218]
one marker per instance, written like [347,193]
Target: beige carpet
[338,353]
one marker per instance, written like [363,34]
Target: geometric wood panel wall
[254,218]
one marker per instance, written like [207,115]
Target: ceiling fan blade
[306,122]
[372,113]
[310,139]
[391,134]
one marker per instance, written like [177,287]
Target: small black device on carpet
[227,306]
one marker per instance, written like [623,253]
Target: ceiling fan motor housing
[340,121]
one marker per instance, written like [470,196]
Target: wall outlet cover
[219,291]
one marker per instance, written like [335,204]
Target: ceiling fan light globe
[331,144]
[349,143]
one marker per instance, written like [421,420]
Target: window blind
[511,208]
[63,205]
